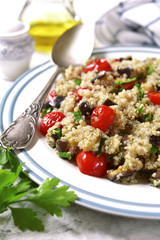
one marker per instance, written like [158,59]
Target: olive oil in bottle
[48,20]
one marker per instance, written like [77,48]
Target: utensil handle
[20,133]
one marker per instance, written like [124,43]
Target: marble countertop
[80,223]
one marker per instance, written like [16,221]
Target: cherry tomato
[49,120]
[102,116]
[99,65]
[154,97]
[90,164]
[76,94]
[51,95]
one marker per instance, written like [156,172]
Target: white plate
[141,201]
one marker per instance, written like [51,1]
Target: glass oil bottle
[48,20]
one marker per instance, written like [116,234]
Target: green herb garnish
[127,166]
[65,155]
[152,180]
[150,69]
[77,82]
[77,115]
[154,149]
[101,146]
[141,93]
[148,117]
[119,90]
[140,110]
[46,110]
[58,132]
[119,82]
[14,190]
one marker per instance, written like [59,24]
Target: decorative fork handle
[21,131]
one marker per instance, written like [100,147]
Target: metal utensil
[73,47]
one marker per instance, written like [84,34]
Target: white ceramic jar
[16,49]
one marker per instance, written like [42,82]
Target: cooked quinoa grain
[131,142]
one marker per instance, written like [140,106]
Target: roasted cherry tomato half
[51,95]
[49,120]
[102,117]
[76,94]
[154,97]
[90,164]
[99,65]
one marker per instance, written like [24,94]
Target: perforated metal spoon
[73,47]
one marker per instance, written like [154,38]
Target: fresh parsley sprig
[14,189]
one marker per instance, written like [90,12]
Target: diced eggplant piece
[109,103]
[155,140]
[98,77]
[125,70]
[62,145]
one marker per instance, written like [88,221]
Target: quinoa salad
[105,117]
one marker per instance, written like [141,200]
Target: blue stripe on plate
[82,201]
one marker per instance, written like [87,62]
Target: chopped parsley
[101,146]
[127,166]
[154,149]
[58,132]
[148,117]
[119,90]
[77,82]
[141,93]
[140,110]
[150,69]
[46,110]
[65,155]
[119,82]
[77,115]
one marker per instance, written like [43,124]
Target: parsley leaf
[119,82]
[141,93]
[58,132]
[14,189]
[148,117]
[150,69]
[46,110]
[154,149]
[140,110]
[77,115]
[119,90]
[101,146]
[77,82]
[25,218]
[65,155]
[3,155]
[9,177]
